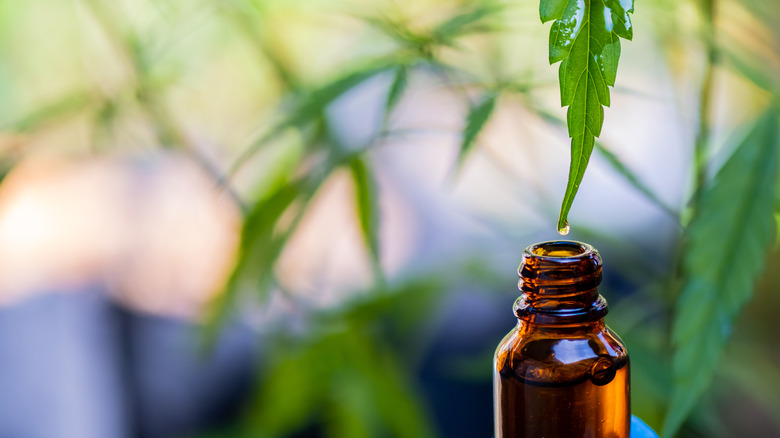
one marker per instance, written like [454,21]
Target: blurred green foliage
[719,261]
[352,372]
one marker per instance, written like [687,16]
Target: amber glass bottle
[561,373]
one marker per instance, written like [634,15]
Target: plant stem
[700,155]
[165,126]
[700,160]
[702,142]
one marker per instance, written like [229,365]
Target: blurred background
[300,218]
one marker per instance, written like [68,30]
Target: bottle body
[561,373]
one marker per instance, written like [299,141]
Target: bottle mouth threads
[558,280]
[548,266]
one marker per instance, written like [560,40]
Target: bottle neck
[559,283]
[525,326]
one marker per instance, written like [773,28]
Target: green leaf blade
[581,147]
[551,9]
[608,59]
[726,249]
[315,102]
[397,88]
[599,84]
[617,17]
[567,86]
[468,20]
[475,121]
[367,206]
[260,246]
[565,29]
[586,41]
[311,105]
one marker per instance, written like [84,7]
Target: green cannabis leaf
[475,121]
[368,208]
[469,20]
[585,38]
[311,104]
[352,379]
[397,88]
[727,238]
[259,247]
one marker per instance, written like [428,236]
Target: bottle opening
[561,249]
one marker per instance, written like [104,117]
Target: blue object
[640,430]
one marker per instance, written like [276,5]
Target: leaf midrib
[586,72]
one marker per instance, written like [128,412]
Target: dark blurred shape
[178,386]
[106,263]
[461,399]
[61,369]
[76,365]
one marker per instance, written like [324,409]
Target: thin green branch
[164,124]
[702,142]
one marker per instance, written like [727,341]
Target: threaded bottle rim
[559,280]
[563,263]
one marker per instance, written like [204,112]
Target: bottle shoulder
[598,339]
[568,354]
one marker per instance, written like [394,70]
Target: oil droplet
[565,230]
